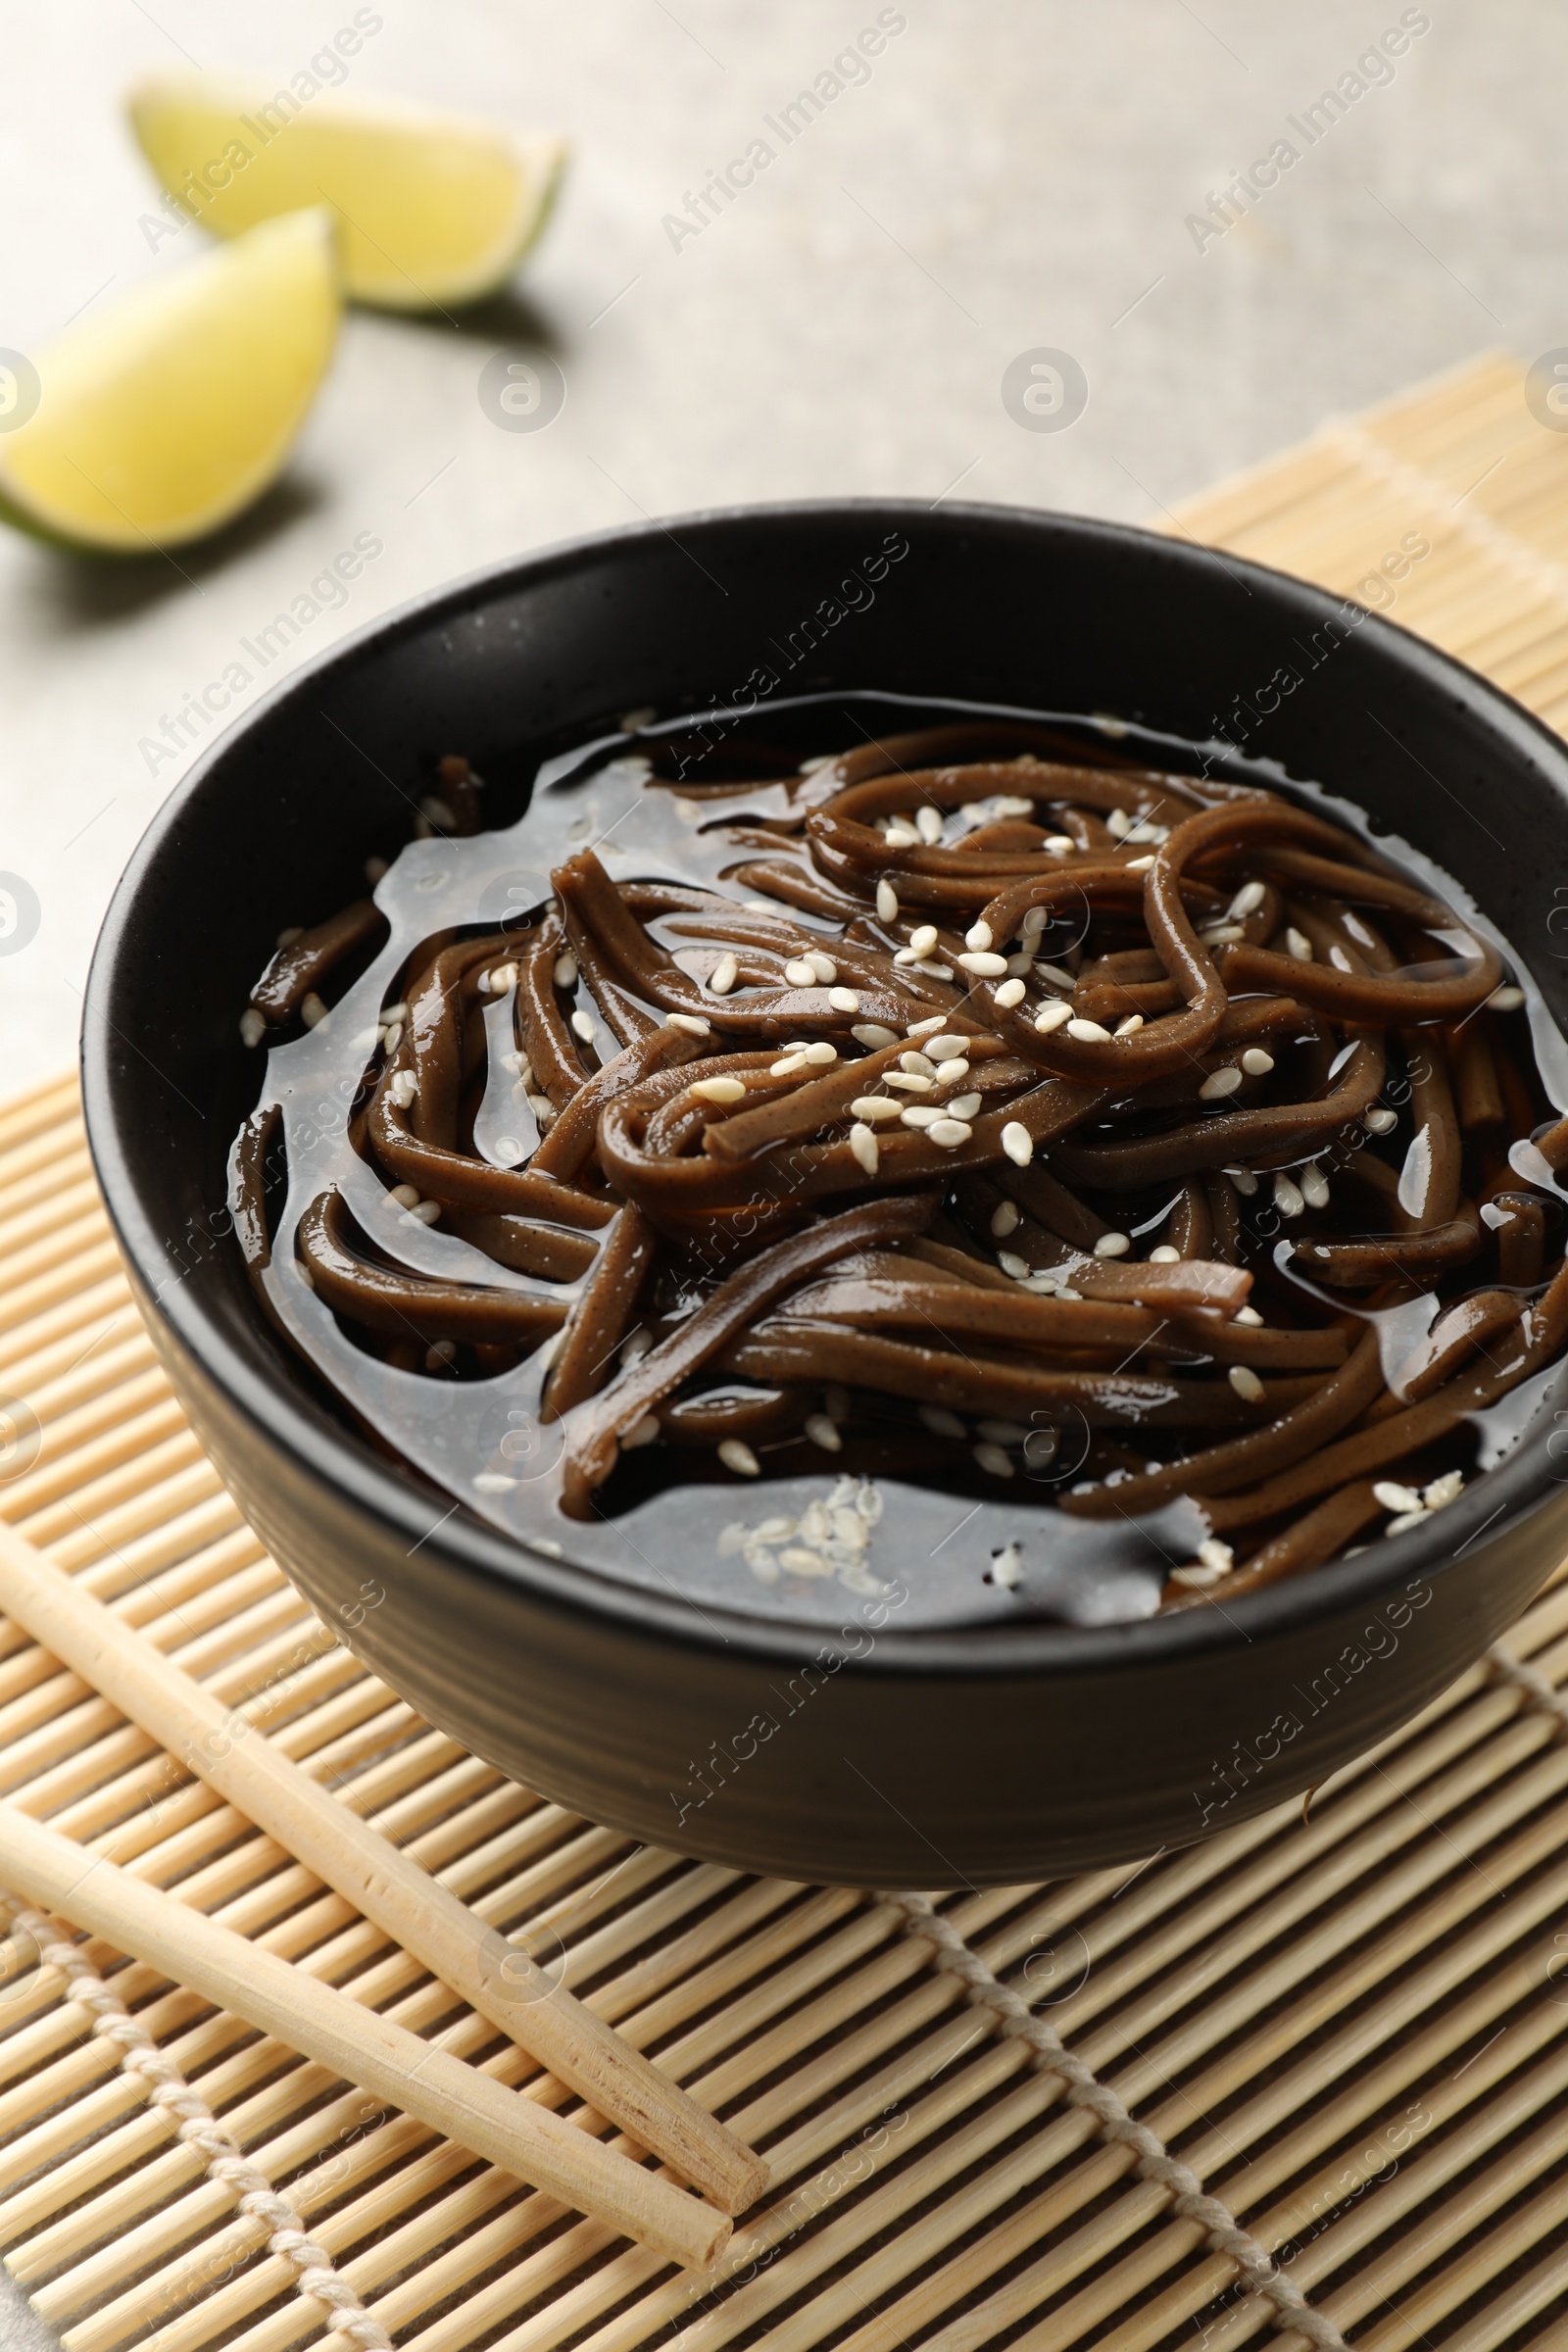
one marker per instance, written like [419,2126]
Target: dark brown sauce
[1216,1223]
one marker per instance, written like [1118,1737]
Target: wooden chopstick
[505,2126]
[498,1979]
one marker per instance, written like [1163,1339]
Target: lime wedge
[175,408]
[432,208]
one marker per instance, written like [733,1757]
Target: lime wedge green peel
[433,210]
[170,412]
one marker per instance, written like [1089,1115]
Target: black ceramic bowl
[924,1758]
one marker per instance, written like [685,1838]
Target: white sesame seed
[925,1028]
[1012,1264]
[873,1036]
[1244,1180]
[426,1213]
[1195,1577]
[994,1458]
[950,1072]
[1288,1198]
[1017,1143]
[786,1065]
[1221,935]
[799,973]
[1379,1122]
[902,837]
[1442,1491]
[1060,845]
[1390,1496]
[719,1090]
[822,1432]
[1506,999]
[1034,919]
[1055,977]
[1139,866]
[1255,1062]
[443,1352]
[821,1052]
[1130,1026]
[922,938]
[1010,993]
[1006,1218]
[1218,1084]
[826,970]
[392,1038]
[1164,1255]
[723,976]
[313,1010]
[402,1195]
[1298,945]
[1339,958]
[692,1022]
[544,1110]
[1250,1316]
[736,1456]
[920,1114]
[493,1482]
[641,1433]
[1118,824]
[844,1000]
[962,1107]
[887,902]
[1314,1187]
[941,1423]
[1244,1380]
[908,1082]
[928,823]
[1213,1553]
[978,935]
[583,1023]
[1113,1244]
[1248,900]
[1089,1033]
[874,1107]
[983,965]
[1405,1521]
[864,1148]
[949,1133]
[401,1087]
[252,1026]
[1021,964]
[393,1012]
[947,1046]
[565,972]
[1052,1016]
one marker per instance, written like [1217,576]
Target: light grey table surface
[1012,174]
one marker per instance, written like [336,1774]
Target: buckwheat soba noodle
[968,1166]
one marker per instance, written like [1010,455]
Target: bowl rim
[330,1452]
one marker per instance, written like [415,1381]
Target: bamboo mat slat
[997,2127]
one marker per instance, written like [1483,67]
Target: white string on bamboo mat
[1018,2021]
[227,2162]
[1529,1680]
[1430,492]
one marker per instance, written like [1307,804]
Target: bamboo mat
[1305,2080]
